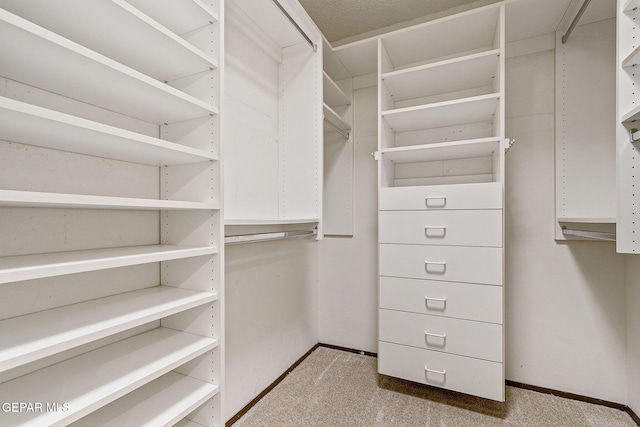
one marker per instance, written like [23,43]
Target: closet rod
[295,25]
[340,131]
[575,21]
[263,237]
[597,235]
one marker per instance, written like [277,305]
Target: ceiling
[343,21]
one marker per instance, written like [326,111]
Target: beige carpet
[337,388]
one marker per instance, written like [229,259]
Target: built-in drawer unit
[462,337]
[469,301]
[458,228]
[459,373]
[439,197]
[447,263]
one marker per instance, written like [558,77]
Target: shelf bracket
[575,21]
[295,25]
[632,135]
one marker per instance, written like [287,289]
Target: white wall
[271,314]
[348,282]
[633,332]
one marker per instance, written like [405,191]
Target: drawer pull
[436,202]
[435,299]
[435,230]
[437,267]
[431,334]
[433,371]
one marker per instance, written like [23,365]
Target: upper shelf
[332,64]
[48,61]
[442,151]
[33,125]
[337,122]
[119,31]
[194,14]
[332,94]
[360,58]
[477,109]
[468,72]
[630,5]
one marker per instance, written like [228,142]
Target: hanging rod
[597,235]
[337,129]
[263,237]
[295,25]
[575,21]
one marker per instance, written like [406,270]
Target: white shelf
[194,14]
[33,125]
[38,335]
[87,76]
[468,72]
[586,220]
[332,94]
[188,423]
[273,221]
[630,5]
[477,109]
[333,118]
[632,59]
[632,115]
[359,58]
[138,41]
[35,199]
[331,64]
[443,151]
[460,34]
[94,379]
[27,267]
[162,402]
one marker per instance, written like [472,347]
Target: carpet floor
[336,388]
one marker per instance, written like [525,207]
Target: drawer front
[464,374]
[440,197]
[462,337]
[449,299]
[446,263]
[460,227]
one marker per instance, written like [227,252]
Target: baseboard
[538,389]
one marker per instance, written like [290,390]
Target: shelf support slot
[263,237]
[597,235]
[575,21]
[295,25]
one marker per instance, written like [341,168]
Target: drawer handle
[436,299]
[431,334]
[433,371]
[436,202]
[437,267]
[435,230]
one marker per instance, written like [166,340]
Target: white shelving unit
[441,182]
[273,115]
[111,269]
[627,115]
[338,145]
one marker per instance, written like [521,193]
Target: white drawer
[460,196]
[462,337]
[447,263]
[464,374]
[459,227]
[450,299]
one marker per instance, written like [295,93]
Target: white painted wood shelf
[94,379]
[35,199]
[332,94]
[194,14]
[631,5]
[34,125]
[41,334]
[467,72]
[477,109]
[139,41]
[442,151]
[27,267]
[632,59]
[103,81]
[272,221]
[334,118]
[162,402]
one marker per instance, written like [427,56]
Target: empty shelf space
[332,94]
[33,125]
[27,267]
[468,72]
[92,380]
[81,201]
[335,120]
[162,402]
[477,109]
[331,64]
[442,151]
[194,14]
[360,58]
[187,423]
[87,76]
[127,35]
[35,336]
